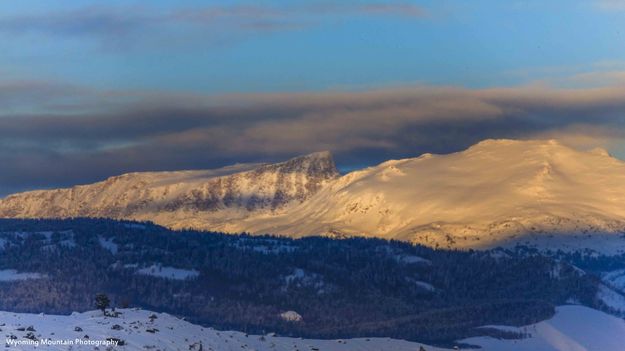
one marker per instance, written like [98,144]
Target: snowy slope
[162,332]
[496,193]
[612,298]
[615,278]
[185,198]
[573,328]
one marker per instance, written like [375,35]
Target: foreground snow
[145,330]
[574,328]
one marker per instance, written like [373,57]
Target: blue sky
[121,44]
[93,89]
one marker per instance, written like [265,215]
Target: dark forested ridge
[341,288]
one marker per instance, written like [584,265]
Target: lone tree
[102,302]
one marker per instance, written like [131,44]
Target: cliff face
[247,188]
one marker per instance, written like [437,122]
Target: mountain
[184,199]
[496,193]
[572,328]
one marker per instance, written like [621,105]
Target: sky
[92,89]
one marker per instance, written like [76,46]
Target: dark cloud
[23,94]
[107,133]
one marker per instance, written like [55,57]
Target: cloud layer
[69,135]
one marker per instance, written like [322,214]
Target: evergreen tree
[102,302]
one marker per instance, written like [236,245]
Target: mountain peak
[319,165]
[319,156]
[600,152]
[533,149]
[324,154]
[496,143]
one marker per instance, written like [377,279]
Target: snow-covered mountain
[497,192]
[184,198]
[572,328]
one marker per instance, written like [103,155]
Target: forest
[339,287]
